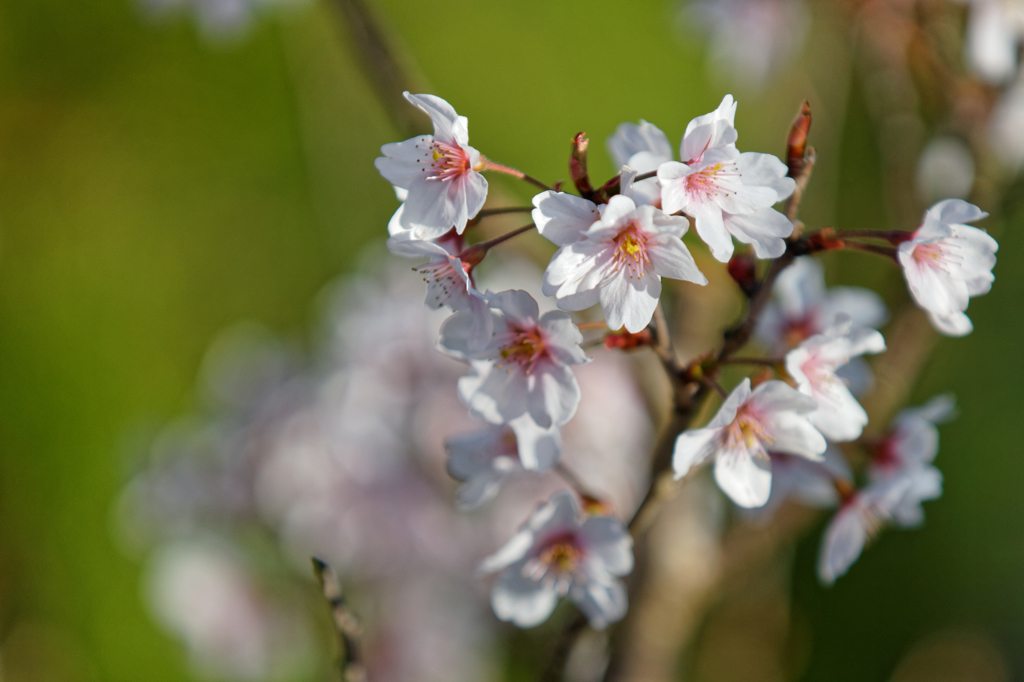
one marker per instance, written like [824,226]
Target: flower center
[631,251]
[443,280]
[525,348]
[705,182]
[747,433]
[934,256]
[448,161]
[563,557]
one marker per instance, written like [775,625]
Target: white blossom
[618,261]
[448,281]
[913,440]
[894,500]
[525,368]
[440,172]
[808,482]
[642,147]
[813,365]
[555,554]
[715,184]
[801,306]
[481,460]
[773,416]
[946,262]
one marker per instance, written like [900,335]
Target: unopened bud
[743,269]
[472,256]
[624,340]
[796,144]
[578,165]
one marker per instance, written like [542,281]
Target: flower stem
[894,237]
[503,238]
[767,362]
[884,251]
[645,176]
[501,211]
[507,170]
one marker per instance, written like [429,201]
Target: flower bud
[624,340]
[742,269]
[796,144]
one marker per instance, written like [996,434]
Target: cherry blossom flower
[448,280]
[440,172]
[895,500]
[813,365]
[642,147]
[525,368]
[481,460]
[810,483]
[913,440]
[773,416]
[556,554]
[801,306]
[994,32]
[947,262]
[618,262]
[716,183]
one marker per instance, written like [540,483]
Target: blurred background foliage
[156,186]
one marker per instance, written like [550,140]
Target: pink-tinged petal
[563,338]
[459,334]
[400,164]
[618,208]
[956,211]
[607,540]
[727,412]
[555,396]
[764,229]
[864,307]
[842,545]
[672,176]
[517,305]
[693,447]
[840,418]
[502,391]
[710,226]
[601,602]
[670,258]
[538,448]
[483,320]
[630,139]
[563,218]
[448,125]
[795,435]
[931,289]
[778,396]
[746,480]
[521,600]
[514,550]
[953,323]
[568,267]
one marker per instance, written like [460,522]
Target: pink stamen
[446,161]
[525,348]
[631,251]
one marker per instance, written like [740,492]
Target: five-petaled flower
[440,172]
[725,191]
[773,417]
[946,263]
[557,553]
[525,367]
[813,366]
[481,460]
[615,256]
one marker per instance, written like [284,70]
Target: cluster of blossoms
[615,244]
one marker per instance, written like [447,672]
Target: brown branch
[350,663]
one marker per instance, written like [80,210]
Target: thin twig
[884,251]
[350,663]
[501,211]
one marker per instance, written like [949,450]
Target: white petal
[843,543]
[746,480]
[608,541]
[601,602]
[522,601]
[694,447]
[563,218]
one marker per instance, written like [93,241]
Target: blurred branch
[350,662]
[386,72]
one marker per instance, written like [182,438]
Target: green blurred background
[156,187]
